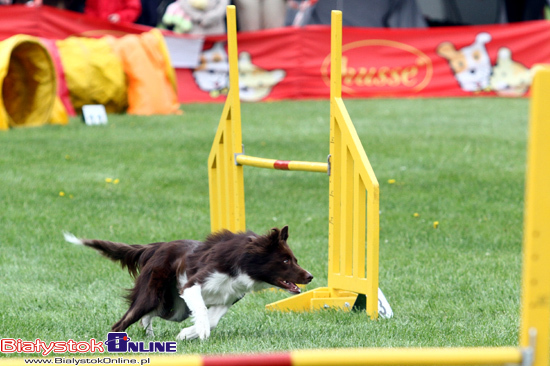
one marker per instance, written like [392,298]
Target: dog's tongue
[291,287]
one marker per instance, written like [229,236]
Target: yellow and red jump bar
[357,357]
[347,357]
[306,166]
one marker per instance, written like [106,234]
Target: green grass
[460,162]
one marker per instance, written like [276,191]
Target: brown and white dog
[176,279]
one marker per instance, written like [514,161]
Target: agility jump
[353,191]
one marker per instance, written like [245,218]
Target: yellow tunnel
[28,81]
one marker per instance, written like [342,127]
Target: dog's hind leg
[131,316]
[139,308]
[147,323]
[144,299]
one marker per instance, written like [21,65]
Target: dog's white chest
[222,289]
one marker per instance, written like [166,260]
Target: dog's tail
[128,255]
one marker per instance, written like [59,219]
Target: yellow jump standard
[353,191]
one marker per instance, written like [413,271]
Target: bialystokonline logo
[117,342]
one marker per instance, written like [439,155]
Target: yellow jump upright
[352,184]
[535,303]
[353,199]
[353,190]
[225,178]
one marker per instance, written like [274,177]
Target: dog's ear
[274,235]
[277,234]
[283,235]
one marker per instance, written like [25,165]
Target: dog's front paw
[187,334]
[202,327]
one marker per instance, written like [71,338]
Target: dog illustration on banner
[212,75]
[472,68]
[255,83]
[471,65]
[510,78]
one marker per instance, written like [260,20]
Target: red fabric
[62,89]
[128,10]
[380,62]
[53,23]
[276,359]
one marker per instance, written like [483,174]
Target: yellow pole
[345,357]
[306,166]
[233,56]
[185,360]
[335,196]
[336,55]
[234,123]
[226,179]
[408,356]
[536,238]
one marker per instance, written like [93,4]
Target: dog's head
[471,65]
[270,260]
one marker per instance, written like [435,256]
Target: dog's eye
[286,261]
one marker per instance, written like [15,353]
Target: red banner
[53,23]
[294,63]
